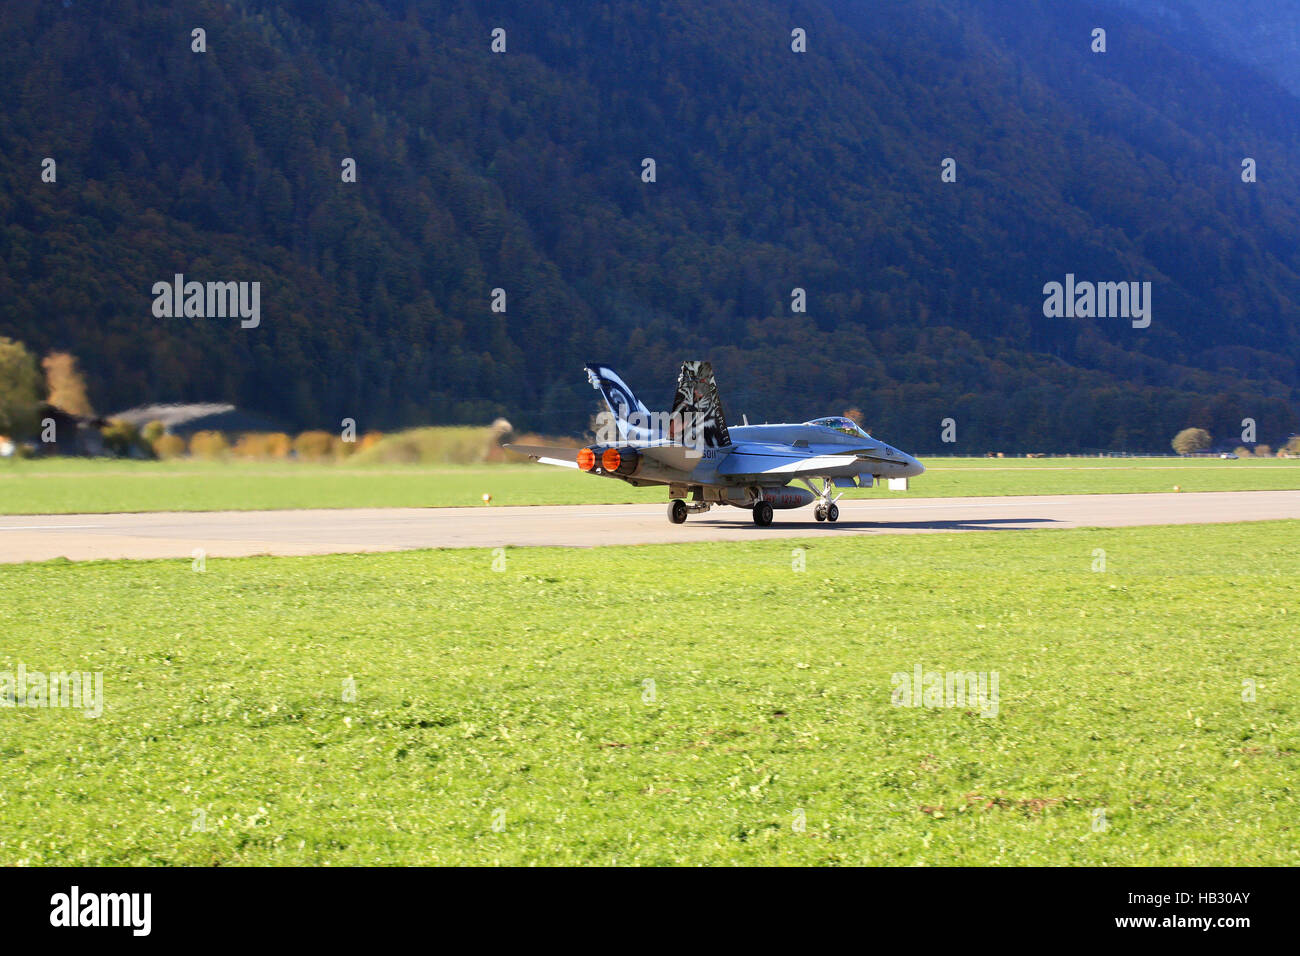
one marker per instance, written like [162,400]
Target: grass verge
[668,704]
[88,487]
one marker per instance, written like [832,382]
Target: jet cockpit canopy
[846,425]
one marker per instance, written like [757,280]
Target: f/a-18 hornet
[694,453]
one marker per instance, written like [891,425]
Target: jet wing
[671,455]
[547,455]
[784,466]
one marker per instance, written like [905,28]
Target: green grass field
[72,486]
[520,698]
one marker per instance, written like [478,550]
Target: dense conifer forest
[773,171]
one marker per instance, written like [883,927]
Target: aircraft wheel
[763,514]
[819,513]
[833,513]
[677,511]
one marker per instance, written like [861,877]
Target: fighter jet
[698,457]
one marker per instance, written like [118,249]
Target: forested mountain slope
[775,170]
[1264,34]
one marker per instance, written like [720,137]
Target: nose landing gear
[826,509]
[829,512]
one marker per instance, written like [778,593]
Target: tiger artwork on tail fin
[697,406]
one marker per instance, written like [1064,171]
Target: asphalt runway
[229,534]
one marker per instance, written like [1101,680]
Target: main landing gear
[763,514]
[678,509]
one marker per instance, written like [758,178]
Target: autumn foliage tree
[64,384]
[20,389]
[1191,440]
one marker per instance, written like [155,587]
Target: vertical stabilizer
[697,405]
[630,414]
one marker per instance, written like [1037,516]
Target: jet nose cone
[917,468]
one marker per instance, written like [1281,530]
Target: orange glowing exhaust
[611,460]
[586,459]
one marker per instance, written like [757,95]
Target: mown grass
[519,697]
[84,487]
